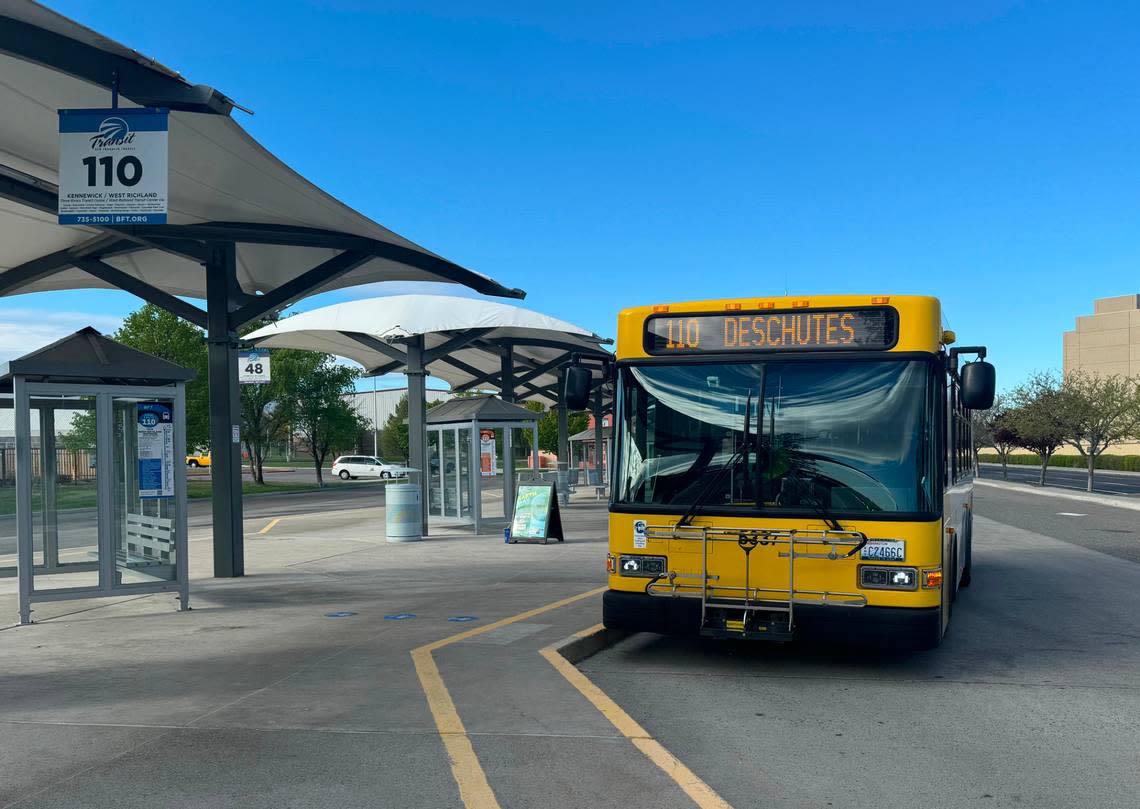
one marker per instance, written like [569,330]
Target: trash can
[403,521]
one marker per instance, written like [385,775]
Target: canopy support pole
[225,413]
[417,419]
[598,455]
[563,443]
[507,390]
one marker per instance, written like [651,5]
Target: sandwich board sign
[113,166]
[536,517]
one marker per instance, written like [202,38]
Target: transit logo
[148,419]
[114,131]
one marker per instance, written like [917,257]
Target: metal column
[225,412]
[50,478]
[24,496]
[507,392]
[476,478]
[563,444]
[417,420]
[598,436]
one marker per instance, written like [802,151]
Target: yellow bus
[791,466]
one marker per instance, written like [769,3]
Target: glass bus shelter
[97,503]
[477,450]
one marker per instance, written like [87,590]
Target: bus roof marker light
[879,300]
[660,308]
[767,304]
[732,307]
[803,304]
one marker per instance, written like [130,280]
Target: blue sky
[601,155]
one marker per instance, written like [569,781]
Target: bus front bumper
[903,627]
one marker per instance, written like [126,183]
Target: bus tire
[968,552]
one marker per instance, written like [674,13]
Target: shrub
[1111,463]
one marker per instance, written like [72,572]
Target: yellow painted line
[702,794]
[269,525]
[474,790]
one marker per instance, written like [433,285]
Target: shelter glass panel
[464,470]
[143,515]
[450,473]
[491,464]
[65,514]
[434,471]
[522,439]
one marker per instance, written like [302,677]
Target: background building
[1107,341]
[377,406]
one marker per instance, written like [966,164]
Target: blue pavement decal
[461,619]
[340,614]
[399,616]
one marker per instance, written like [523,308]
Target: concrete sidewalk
[257,698]
[1067,494]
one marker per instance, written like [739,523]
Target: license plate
[885,550]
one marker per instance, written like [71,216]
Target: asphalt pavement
[1119,483]
[1033,700]
[1114,531]
[345,671]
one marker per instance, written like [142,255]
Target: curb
[1085,497]
[578,647]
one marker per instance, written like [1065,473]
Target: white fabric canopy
[218,172]
[535,339]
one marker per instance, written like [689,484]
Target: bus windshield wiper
[714,482]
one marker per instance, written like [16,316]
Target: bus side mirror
[978,383]
[576,392]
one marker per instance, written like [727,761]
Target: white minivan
[350,467]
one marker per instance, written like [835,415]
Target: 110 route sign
[253,367]
[113,166]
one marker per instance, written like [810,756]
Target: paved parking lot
[259,698]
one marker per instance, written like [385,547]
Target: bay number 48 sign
[113,166]
[253,366]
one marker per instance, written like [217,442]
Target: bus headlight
[644,566]
[876,577]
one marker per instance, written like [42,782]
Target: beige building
[1107,341]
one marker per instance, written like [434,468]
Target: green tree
[81,436]
[548,426]
[992,429]
[1036,418]
[393,436]
[1097,412]
[265,409]
[167,336]
[316,407]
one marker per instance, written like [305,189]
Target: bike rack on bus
[756,600]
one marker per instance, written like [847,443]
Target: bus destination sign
[873,329]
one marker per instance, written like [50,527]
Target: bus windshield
[840,437]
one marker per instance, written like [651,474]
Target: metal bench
[149,541]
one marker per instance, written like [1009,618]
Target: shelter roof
[464,339]
[88,357]
[223,185]
[483,408]
[588,434]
